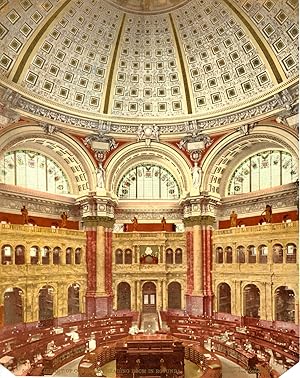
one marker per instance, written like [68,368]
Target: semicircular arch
[220,161]
[71,156]
[157,153]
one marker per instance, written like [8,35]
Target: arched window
[228,254]
[263,254]
[56,255]
[69,253]
[6,255]
[178,256]
[148,181]
[219,255]
[240,254]
[46,302]
[284,304]
[20,255]
[73,299]
[34,255]
[263,170]
[169,256]
[77,255]
[174,295]
[13,305]
[128,256]
[224,298]
[251,301]
[46,255]
[291,252]
[123,296]
[33,170]
[277,254]
[119,256]
[251,254]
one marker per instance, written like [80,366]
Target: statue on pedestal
[233,219]
[24,213]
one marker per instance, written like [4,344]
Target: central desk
[150,356]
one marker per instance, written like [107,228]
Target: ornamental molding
[94,206]
[201,206]
[199,220]
[285,199]
[148,214]
[94,221]
[37,206]
[283,101]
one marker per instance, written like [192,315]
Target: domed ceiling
[149,59]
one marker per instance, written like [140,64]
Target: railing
[259,228]
[152,235]
[38,229]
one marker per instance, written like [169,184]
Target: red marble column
[91,270]
[108,266]
[204,270]
[190,262]
[207,267]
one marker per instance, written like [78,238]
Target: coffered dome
[115,60]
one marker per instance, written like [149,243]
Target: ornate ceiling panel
[141,6]
[198,58]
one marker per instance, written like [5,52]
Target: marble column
[91,270]
[164,295]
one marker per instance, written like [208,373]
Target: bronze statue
[135,223]
[268,214]
[24,212]
[64,218]
[163,223]
[233,219]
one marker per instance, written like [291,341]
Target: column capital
[97,211]
[94,221]
[200,206]
[206,220]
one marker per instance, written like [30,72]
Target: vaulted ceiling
[156,59]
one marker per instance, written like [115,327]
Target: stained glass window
[263,170]
[33,170]
[148,181]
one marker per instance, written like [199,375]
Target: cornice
[265,106]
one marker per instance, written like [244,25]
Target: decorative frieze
[41,206]
[248,115]
[285,199]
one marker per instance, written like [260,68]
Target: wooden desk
[157,355]
[62,356]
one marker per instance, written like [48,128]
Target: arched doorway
[123,296]
[46,303]
[174,295]
[149,297]
[251,301]
[13,306]
[73,299]
[224,298]
[284,304]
